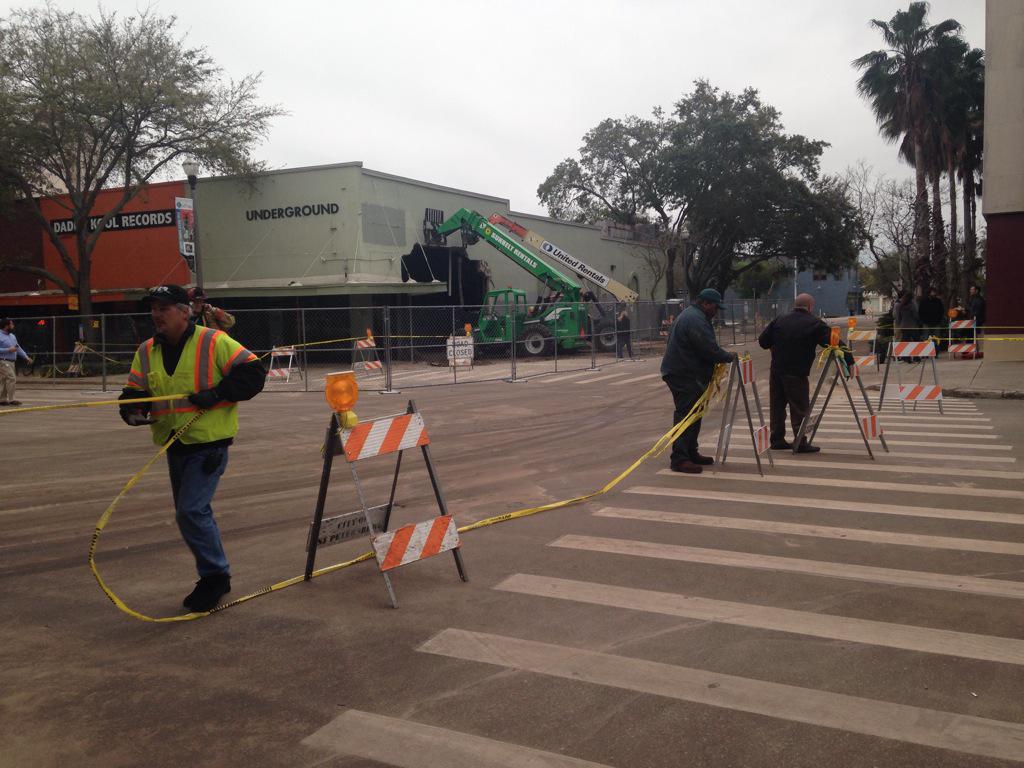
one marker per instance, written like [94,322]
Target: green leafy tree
[92,103]
[751,193]
[895,82]
[721,183]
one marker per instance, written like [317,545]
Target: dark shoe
[14,402]
[3,403]
[704,461]
[686,466]
[783,446]
[807,448]
[208,592]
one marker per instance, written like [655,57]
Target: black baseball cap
[170,294]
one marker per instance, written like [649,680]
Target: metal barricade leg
[723,437]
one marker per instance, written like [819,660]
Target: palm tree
[894,82]
[968,131]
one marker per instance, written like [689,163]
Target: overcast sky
[490,96]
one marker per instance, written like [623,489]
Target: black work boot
[208,592]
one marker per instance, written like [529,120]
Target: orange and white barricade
[365,356]
[283,364]
[741,377]
[870,427]
[833,362]
[918,351]
[77,365]
[956,347]
[408,544]
[861,363]
[963,349]
[853,335]
[920,392]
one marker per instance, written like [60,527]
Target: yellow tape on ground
[696,413]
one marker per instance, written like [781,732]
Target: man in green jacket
[690,358]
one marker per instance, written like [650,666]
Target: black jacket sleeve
[824,334]
[243,382]
[767,337]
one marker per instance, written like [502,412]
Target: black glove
[205,399]
[134,417]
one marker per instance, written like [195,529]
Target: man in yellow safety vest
[214,373]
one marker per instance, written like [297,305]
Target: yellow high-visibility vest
[208,356]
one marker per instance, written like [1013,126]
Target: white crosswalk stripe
[966,489]
[923,639]
[815,502]
[407,744]
[817,531]
[917,725]
[897,455]
[904,432]
[920,579]
[637,379]
[880,466]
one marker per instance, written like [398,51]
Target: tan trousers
[7,381]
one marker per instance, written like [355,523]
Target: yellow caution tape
[696,413]
[90,404]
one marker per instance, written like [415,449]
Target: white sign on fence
[459,350]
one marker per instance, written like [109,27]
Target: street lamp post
[191,168]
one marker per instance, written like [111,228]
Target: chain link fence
[390,348]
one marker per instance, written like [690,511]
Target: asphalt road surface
[839,611]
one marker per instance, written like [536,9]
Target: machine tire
[604,336]
[536,341]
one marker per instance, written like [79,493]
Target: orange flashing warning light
[369,333]
[851,322]
[341,391]
[833,340]
[469,329]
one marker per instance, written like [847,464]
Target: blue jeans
[194,478]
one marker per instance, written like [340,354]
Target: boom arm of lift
[475,224]
[552,251]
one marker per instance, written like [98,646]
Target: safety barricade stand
[365,356]
[77,365]
[960,346]
[835,365]
[283,364]
[901,350]
[408,544]
[741,376]
[853,335]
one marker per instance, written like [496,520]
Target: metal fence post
[733,325]
[512,335]
[409,333]
[53,347]
[452,362]
[387,354]
[305,360]
[593,344]
[103,351]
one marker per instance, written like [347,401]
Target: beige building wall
[345,229]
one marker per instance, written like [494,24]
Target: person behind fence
[216,373]
[976,306]
[932,314]
[794,339]
[208,315]
[689,362]
[622,334]
[905,321]
[10,351]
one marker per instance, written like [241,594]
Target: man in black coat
[793,339]
[690,358]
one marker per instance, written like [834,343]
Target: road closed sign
[459,350]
